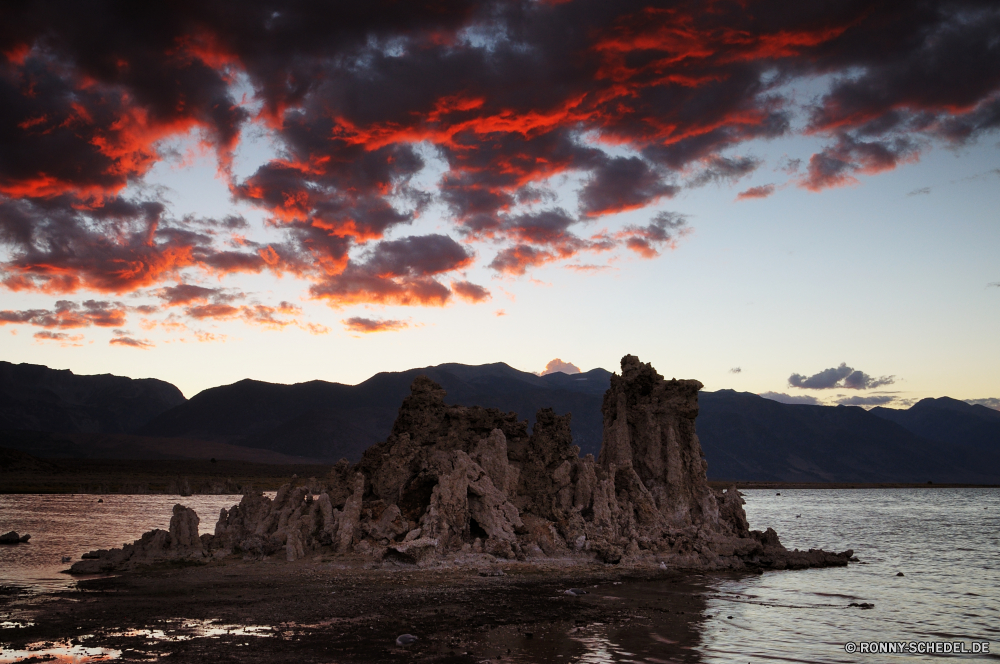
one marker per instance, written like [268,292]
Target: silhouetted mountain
[949,421]
[747,437]
[330,420]
[41,399]
[744,436]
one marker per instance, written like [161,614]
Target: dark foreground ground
[314,611]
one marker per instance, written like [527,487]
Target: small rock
[862,605]
[405,640]
[729,617]
[491,572]
[10,538]
[24,538]
[778,494]
[100,500]
[67,559]
[663,565]
[900,574]
[575,592]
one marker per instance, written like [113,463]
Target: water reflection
[129,642]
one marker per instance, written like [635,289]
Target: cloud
[631,101]
[558,365]
[781,397]
[763,191]
[623,183]
[736,370]
[836,165]
[724,170]
[67,314]
[662,231]
[994,284]
[839,377]
[370,325]
[64,339]
[991,402]
[871,400]
[920,191]
[470,292]
[124,338]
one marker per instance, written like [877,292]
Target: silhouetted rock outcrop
[455,480]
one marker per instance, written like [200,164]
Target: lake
[944,541]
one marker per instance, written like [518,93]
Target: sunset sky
[794,199]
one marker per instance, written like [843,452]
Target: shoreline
[720,484]
[320,611]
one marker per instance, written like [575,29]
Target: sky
[795,201]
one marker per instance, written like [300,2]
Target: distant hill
[747,437]
[744,436]
[329,421]
[949,420]
[34,397]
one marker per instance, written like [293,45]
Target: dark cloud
[124,338]
[64,339]
[189,293]
[68,314]
[623,183]
[991,402]
[781,397]
[397,272]
[370,325]
[509,95]
[836,165]
[873,400]
[662,231]
[470,292]
[842,376]
[726,170]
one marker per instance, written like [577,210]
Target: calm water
[945,541]
[71,525]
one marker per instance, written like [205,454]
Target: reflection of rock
[470,480]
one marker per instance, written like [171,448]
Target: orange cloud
[371,325]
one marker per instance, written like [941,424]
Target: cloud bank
[631,101]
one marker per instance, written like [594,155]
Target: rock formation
[453,480]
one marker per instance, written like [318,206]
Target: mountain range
[744,437]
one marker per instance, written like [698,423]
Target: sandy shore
[316,611]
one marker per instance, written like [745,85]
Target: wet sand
[316,611]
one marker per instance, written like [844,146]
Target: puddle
[194,629]
[77,651]
[60,651]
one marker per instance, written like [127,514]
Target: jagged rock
[181,542]
[12,538]
[455,479]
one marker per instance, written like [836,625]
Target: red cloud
[470,292]
[763,191]
[370,325]
[629,103]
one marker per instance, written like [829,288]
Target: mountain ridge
[744,436]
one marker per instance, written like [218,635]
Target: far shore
[722,484]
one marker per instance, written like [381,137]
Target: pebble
[405,639]
[575,591]
[900,574]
